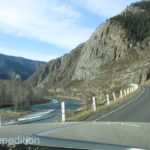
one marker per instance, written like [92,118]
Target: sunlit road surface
[125,134]
[136,110]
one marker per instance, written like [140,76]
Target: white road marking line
[121,106]
[136,149]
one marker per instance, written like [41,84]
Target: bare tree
[15,93]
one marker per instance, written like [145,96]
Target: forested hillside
[137,24]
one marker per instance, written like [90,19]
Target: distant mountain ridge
[17,68]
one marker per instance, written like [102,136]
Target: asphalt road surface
[136,110]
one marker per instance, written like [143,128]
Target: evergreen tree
[137,25]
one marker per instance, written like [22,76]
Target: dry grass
[15,114]
[85,114]
[39,101]
[67,97]
[147,83]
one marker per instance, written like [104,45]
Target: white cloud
[104,8]
[30,55]
[54,21]
[46,20]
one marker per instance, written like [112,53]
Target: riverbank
[15,114]
[40,101]
[41,113]
[60,97]
[8,117]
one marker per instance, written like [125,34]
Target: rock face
[108,43]
[16,68]
[109,59]
[58,72]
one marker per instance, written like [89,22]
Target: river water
[44,113]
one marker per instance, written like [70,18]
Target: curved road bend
[136,111]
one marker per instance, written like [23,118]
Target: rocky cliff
[111,58]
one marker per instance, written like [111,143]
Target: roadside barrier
[94,103]
[107,98]
[123,93]
[63,111]
[114,96]
[0,119]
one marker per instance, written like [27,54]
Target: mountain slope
[110,59]
[17,68]
[57,72]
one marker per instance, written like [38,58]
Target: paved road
[138,110]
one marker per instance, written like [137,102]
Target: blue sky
[46,29]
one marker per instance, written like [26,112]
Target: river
[44,113]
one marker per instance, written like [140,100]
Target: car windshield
[74,74]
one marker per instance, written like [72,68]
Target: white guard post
[130,90]
[114,96]
[94,103]
[125,92]
[63,111]
[107,98]
[120,93]
[0,119]
[135,86]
